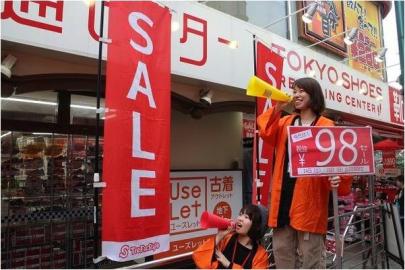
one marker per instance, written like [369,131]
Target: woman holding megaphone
[237,246]
[299,206]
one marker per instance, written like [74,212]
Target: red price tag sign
[325,151]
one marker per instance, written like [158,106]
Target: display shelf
[47,193]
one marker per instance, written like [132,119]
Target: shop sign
[248,126]
[192,193]
[327,23]
[365,16]
[135,206]
[328,151]
[389,163]
[396,101]
[204,41]
[269,69]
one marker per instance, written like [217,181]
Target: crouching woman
[237,247]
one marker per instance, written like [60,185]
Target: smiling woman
[292,207]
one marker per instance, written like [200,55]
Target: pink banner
[269,69]
[135,206]
[316,151]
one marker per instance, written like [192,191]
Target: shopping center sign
[135,208]
[329,151]
[204,41]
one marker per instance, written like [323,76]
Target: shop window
[83,110]
[34,106]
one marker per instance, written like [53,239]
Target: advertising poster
[192,193]
[366,17]
[136,164]
[330,151]
[328,22]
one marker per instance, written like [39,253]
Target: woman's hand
[222,259]
[280,105]
[221,234]
[334,181]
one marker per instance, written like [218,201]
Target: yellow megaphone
[259,88]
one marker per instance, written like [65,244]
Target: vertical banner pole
[97,146]
[136,164]
[257,178]
[337,229]
[372,220]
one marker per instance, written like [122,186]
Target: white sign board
[192,193]
[206,44]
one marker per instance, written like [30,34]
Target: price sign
[325,151]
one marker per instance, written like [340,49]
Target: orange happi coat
[309,207]
[202,256]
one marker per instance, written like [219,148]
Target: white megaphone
[259,88]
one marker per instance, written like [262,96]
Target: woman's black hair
[255,216]
[314,90]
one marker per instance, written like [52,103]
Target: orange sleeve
[202,256]
[268,125]
[261,259]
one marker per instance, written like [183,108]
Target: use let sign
[327,151]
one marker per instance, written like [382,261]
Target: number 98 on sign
[325,151]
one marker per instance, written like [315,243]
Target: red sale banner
[325,151]
[396,101]
[389,162]
[136,205]
[248,125]
[269,69]
[388,159]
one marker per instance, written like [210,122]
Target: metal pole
[399,15]
[328,38]
[285,17]
[289,15]
[159,262]
[372,220]
[289,23]
[337,229]
[256,133]
[96,166]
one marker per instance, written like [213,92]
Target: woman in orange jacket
[237,247]
[298,206]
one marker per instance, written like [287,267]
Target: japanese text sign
[192,193]
[389,165]
[136,165]
[396,101]
[326,25]
[323,151]
[365,16]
